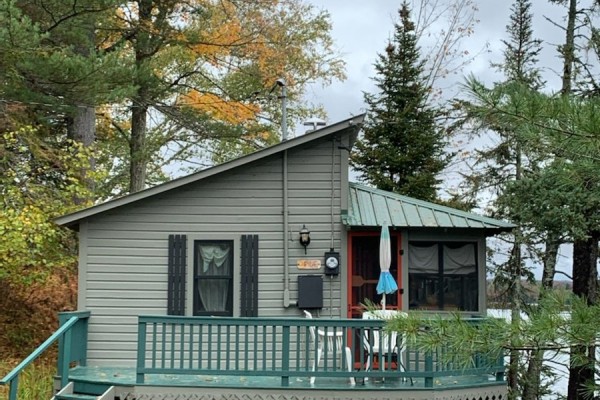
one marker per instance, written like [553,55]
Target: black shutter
[176,281]
[249,286]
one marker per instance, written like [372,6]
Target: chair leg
[316,364]
[349,364]
[400,357]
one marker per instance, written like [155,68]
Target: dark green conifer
[402,149]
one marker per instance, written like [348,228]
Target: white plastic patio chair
[333,342]
[379,343]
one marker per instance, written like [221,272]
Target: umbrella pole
[383,302]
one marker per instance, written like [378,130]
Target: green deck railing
[285,348]
[72,338]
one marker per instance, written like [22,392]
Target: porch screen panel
[460,277]
[176,274]
[249,284]
[443,276]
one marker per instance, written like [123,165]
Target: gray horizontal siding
[126,253]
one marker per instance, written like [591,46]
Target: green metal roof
[373,207]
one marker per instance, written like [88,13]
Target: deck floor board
[124,376]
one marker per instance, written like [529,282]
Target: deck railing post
[141,355]
[66,357]
[62,319]
[285,356]
[500,373]
[83,338]
[429,369]
[14,388]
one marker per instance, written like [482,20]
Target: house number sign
[308,264]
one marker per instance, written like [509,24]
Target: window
[213,277]
[443,276]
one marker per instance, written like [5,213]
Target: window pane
[213,295]
[213,277]
[423,291]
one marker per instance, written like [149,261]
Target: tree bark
[585,278]
[568,51]
[549,261]
[139,111]
[532,386]
[82,127]
[137,148]
[516,297]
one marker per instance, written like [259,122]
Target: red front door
[363,265]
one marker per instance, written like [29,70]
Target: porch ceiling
[372,207]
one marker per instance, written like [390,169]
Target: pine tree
[402,149]
[507,163]
[522,50]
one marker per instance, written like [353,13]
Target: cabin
[197,288]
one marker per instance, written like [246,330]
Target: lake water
[557,362]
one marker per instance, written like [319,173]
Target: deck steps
[74,392]
[76,396]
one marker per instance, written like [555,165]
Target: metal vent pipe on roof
[314,123]
[281,83]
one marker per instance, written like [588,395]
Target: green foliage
[402,149]
[37,183]
[521,50]
[51,59]
[206,68]
[552,189]
[559,191]
[35,383]
[557,323]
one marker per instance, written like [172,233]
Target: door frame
[394,235]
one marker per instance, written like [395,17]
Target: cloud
[362,28]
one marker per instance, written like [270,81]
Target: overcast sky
[362,28]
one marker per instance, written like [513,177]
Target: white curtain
[423,259]
[460,260]
[215,261]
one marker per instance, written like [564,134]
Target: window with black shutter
[213,277]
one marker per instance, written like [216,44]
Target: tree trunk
[585,278]
[549,261]
[516,307]
[568,51]
[139,111]
[532,385]
[137,148]
[82,127]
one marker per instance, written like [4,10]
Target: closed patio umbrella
[386,284]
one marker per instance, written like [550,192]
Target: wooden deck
[210,358]
[183,387]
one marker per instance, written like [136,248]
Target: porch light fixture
[304,237]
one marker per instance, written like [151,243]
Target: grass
[35,382]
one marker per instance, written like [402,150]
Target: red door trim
[351,236]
